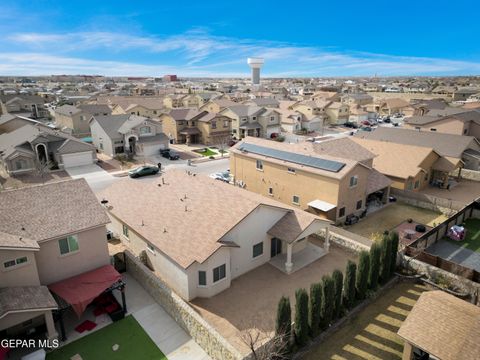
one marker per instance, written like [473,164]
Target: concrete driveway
[97,178]
[170,338]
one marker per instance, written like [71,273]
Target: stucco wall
[92,253]
[20,275]
[97,134]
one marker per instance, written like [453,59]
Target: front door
[276,247]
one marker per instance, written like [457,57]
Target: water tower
[255,64]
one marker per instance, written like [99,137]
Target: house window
[254,118]
[417,184]
[291,170]
[125,231]
[151,248]
[225,123]
[214,124]
[259,165]
[270,191]
[219,273]
[433,129]
[20,164]
[202,278]
[418,128]
[14,262]
[68,245]
[118,142]
[409,185]
[193,123]
[155,112]
[234,131]
[257,249]
[296,199]
[341,212]
[272,118]
[180,122]
[353,181]
[464,131]
[101,146]
[83,118]
[359,204]
[145,130]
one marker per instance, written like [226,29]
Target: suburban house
[357,99]
[294,121]
[464,148]
[192,126]
[62,236]
[252,120]
[197,100]
[150,106]
[441,326]
[463,122]
[463,94]
[30,147]
[265,102]
[75,119]
[333,179]
[174,101]
[410,167]
[27,105]
[10,122]
[233,230]
[217,105]
[127,134]
[337,112]
[393,106]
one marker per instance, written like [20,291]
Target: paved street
[96,177]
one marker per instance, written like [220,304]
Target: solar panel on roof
[316,162]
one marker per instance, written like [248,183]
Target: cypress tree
[361,283]
[301,317]
[328,298]
[283,325]
[337,277]
[314,310]
[385,259]
[373,274]
[394,243]
[349,285]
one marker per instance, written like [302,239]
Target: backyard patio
[391,216]
[252,299]
[372,334]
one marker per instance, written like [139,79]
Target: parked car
[366,128]
[350,125]
[387,120]
[366,123]
[274,135]
[143,171]
[232,142]
[169,154]
[222,176]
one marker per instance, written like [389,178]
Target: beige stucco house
[333,179]
[63,235]
[75,119]
[252,120]
[199,234]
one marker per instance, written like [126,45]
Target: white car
[222,176]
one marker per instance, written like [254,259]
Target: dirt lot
[464,192]
[252,298]
[18,181]
[372,334]
[391,216]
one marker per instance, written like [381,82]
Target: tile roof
[444,326]
[24,298]
[52,210]
[445,144]
[186,216]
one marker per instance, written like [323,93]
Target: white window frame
[259,165]
[16,264]
[220,278]
[70,251]
[291,171]
[151,248]
[296,202]
[126,232]
[355,181]
[198,280]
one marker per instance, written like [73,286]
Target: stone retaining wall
[203,333]
[347,240]
[469,174]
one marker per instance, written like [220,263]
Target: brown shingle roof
[22,298]
[444,326]
[52,210]
[186,216]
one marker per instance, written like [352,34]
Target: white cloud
[197,53]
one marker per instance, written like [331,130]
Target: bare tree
[263,346]
[223,143]
[41,169]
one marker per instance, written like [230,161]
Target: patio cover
[321,205]
[80,290]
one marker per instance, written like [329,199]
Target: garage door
[272,129]
[77,159]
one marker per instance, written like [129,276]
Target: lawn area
[472,241]
[372,334]
[393,215]
[206,152]
[133,340]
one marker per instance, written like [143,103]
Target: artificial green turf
[207,153]
[472,240]
[133,340]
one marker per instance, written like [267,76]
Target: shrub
[314,310]
[385,259]
[374,271]
[337,277]
[301,317]
[394,251]
[349,285]
[361,283]
[283,324]
[328,302]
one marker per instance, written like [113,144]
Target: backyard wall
[445,206]
[347,240]
[468,174]
[204,334]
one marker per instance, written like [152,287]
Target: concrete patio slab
[300,259]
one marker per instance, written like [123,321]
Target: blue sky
[214,38]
